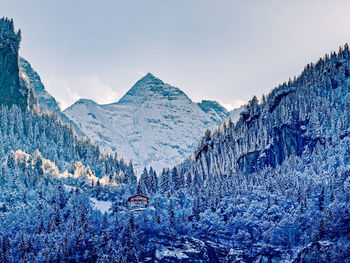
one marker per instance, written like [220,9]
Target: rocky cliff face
[12,89]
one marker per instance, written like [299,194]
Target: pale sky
[226,50]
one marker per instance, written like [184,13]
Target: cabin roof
[137,195]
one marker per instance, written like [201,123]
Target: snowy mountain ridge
[45,100]
[153,124]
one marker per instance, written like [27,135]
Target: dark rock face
[12,91]
[187,249]
[288,140]
[323,251]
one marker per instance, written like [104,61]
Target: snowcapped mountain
[44,99]
[153,124]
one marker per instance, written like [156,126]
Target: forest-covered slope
[277,181]
[309,112]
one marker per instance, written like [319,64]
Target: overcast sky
[222,50]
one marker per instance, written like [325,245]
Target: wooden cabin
[138,200]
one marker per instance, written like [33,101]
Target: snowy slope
[214,109]
[44,99]
[153,124]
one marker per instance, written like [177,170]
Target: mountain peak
[150,87]
[149,75]
[149,78]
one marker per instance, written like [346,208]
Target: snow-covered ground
[70,188]
[174,253]
[102,206]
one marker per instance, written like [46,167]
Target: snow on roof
[137,195]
